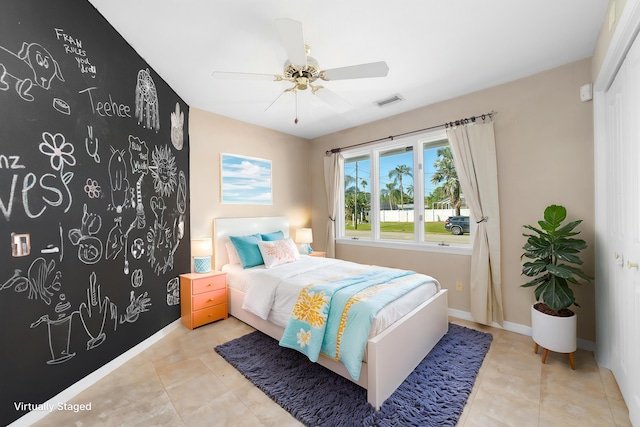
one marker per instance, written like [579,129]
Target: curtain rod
[459,122]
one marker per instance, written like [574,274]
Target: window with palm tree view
[405,190]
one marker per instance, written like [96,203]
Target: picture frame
[245,180]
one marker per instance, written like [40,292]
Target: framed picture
[245,180]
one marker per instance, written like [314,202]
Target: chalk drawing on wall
[91,145]
[177,125]
[92,189]
[59,331]
[89,246]
[41,280]
[147,111]
[118,180]
[61,106]
[60,153]
[93,314]
[163,170]
[173,291]
[137,304]
[137,278]
[137,248]
[32,65]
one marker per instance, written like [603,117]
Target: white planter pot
[554,333]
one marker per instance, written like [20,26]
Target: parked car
[457,224]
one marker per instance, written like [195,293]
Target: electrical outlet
[459,286]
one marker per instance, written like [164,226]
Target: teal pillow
[248,250]
[269,237]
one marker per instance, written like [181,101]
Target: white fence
[430,215]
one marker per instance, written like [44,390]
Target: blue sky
[246,180]
[390,162]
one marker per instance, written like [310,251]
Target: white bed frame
[391,355]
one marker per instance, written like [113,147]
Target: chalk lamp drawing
[147,111]
[245,180]
[59,331]
[33,64]
[177,125]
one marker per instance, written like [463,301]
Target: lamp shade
[201,247]
[304,235]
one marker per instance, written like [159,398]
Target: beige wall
[210,135]
[544,142]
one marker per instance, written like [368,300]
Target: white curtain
[474,153]
[332,167]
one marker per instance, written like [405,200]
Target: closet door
[623,227]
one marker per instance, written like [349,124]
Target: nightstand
[318,254]
[203,298]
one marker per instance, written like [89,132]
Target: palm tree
[397,174]
[445,172]
[389,193]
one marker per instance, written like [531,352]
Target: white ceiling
[435,49]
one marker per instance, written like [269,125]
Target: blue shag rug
[434,394]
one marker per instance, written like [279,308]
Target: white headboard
[225,227]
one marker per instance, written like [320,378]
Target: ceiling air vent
[388,101]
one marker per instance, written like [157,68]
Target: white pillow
[278,252]
[232,253]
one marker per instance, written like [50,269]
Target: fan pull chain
[296,120]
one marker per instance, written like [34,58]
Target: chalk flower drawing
[163,170]
[92,189]
[58,150]
[245,180]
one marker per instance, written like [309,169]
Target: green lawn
[403,227]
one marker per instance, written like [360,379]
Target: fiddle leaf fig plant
[554,256]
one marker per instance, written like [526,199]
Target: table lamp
[201,252]
[304,237]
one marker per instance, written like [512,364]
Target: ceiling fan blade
[293,40]
[372,69]
[332,99]
[227,75]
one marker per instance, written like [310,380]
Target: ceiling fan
[303,71]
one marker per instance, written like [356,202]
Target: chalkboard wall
[94,206]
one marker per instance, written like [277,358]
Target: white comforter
[272,293]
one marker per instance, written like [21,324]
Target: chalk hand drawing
[41,281]
[147,111]
[59,331]
[92,189]
[137,278]
[89,246]
[91,145]
[93,314]
[163,170]
[177,124]
[33,64]
[173,291]
[137,305]
[118,180]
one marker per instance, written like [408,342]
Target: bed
[384,367]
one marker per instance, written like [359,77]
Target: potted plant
[554,256]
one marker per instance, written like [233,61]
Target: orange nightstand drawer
[207,284]
[202,317]
[203,298]
[208,299]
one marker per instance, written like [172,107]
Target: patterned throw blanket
[334,317]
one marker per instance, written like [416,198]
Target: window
[404,192]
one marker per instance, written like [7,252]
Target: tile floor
[182,381]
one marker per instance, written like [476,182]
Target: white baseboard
[517,328]
[73,390]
